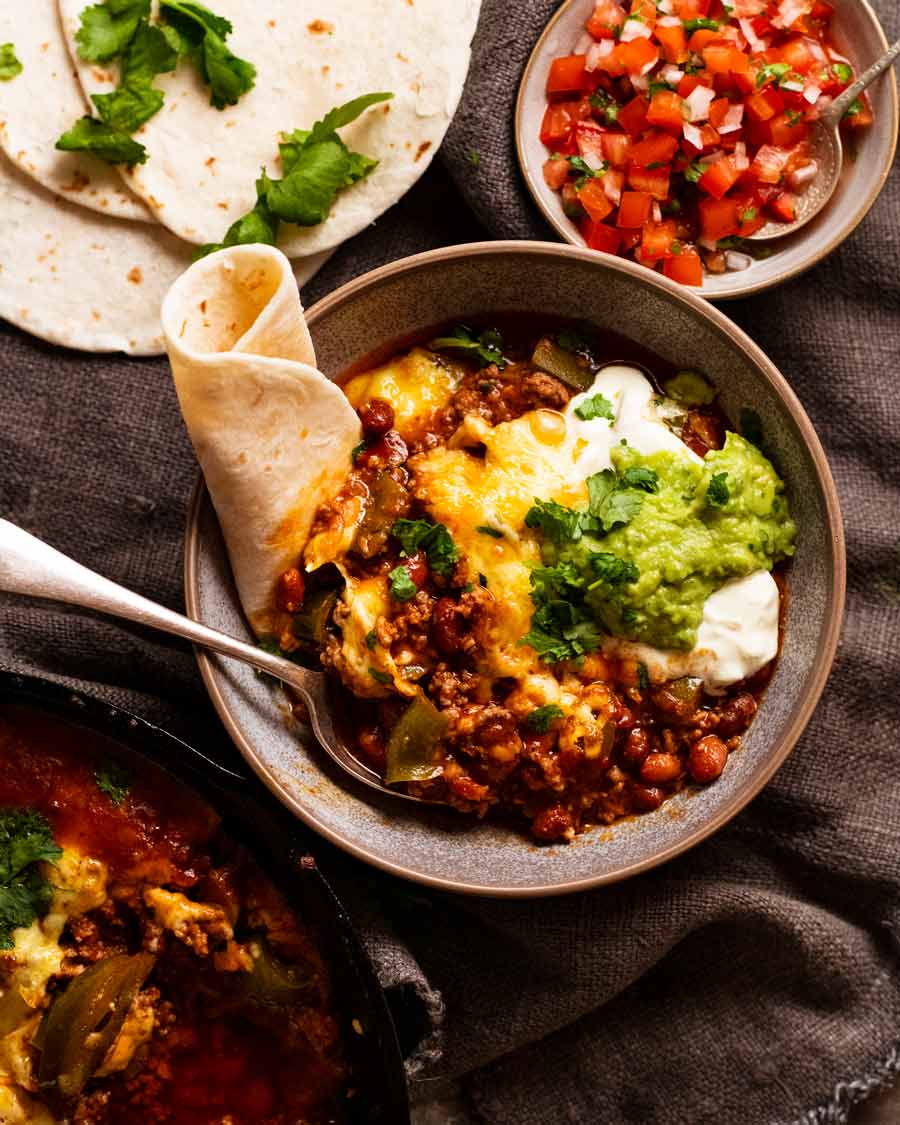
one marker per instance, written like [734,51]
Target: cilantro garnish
[856,106]
[432,538]
[25,840]
[775,71]
[611,570]
[597,406]
[555,522]
[203,34]
[402,586]
[580,165]
[607,105]
[115,780]
[9,64]
[371,640]
[317,165]
[717,493]
[748,216]
[643,678]
[483,529]
[107,29]
[136,100]
[101,140]
[357,450]
[379,676]
[611,501]
[542,718]
[694,171]
[702,23]
[793,117]
[638,476]
[487,347]
[843,72]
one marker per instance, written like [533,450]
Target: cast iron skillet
[377,1076]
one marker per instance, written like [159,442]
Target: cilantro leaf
[717,492]
[258,225]
[402,586]
[641,477]
[371,640]
[115,780]
[227,76]
[560,582]
[542,718]
[344,114]
[96,137]
[609,503]
[702,23]
[561,630]
[486,347]
[775,71]
[555,522]
[107,29]
[611,570]
[25,839]
[127,108]
[9,64]
[694,171]
[843,72]
[597,406]
[379,676]
[483,529]
[306,193]
[432,538]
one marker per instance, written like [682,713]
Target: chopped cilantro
[702,23]
[843,72]
[638,476]
[432,538]
[597,406]
[379,676]
[643,678]
[542,718]
[587,173]
[136,99]
[317,165]
[793,117]
[483,529]
[115,780]
[356,450]
[487,347]
[9,64]
[555,522]
[612,571]
[611,501]
[107,28]
[25,840]
[99,139]
[717,493]
[371,640]
[607,105]
[774,71]
[561,630]
[203,34]
[694,171]
[856,106]
[402,586]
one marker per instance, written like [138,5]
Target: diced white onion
[692,135]
[584,42]
[816,49]
[671,74]
[789,11]
[708,243]
[735,261]
[803,176]
[733,119]
[613,181]
[811,93]
[594,161]
[657,212]
[741,159]
[597,52]
[698,102]
[634,29]
[641,82]
[668,21]
[795,85]
[648,67]
[754,41]
[747,9]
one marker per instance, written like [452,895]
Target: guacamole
[698,524]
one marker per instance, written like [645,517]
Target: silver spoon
[30,566]
[827,151]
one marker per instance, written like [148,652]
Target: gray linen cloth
[754,981]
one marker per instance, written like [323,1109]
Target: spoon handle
[30,566]
[842,103]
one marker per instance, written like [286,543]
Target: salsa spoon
[30,566]
[827,151]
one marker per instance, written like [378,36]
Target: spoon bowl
[32,567]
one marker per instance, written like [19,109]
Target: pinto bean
[736,715]
[389,450]
[289,590]
[707,759]
[636,748]
[646,798]
[658,769]
[447,626]
[553,823]
[377,417]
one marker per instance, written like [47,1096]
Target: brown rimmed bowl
[442,848]
[867,161]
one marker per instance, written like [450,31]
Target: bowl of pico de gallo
[670,132]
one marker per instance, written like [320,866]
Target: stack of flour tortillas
[88,248]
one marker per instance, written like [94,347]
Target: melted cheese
[416,385]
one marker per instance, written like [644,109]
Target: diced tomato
[719,178]
[644,10]
[764,105]
[601,236]
[861,119]
[667,111]
[787,129]
[673,41]
[630,239]
[769,163]
[722,57]
[700,38]
[783,207]
[657,239]
[718,110]
[637,56]
[589,138]
[558,125]
[616,149]
[654,148]
[691,9]
[685,267]
[718,218]
[633,115]
[594,200]
[750,215]
[566,76]
[709,139]
[797,54]
[688,85]
[556,172]
[654,181]
[606,19]
[635,209]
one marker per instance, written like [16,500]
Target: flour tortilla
[273,436]
[310,55]
[41,103]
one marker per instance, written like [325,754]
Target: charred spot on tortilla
[135,276]
[319,27]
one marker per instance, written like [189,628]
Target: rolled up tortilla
[273,436]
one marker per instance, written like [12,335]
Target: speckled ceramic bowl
[443,848]
[859,36]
